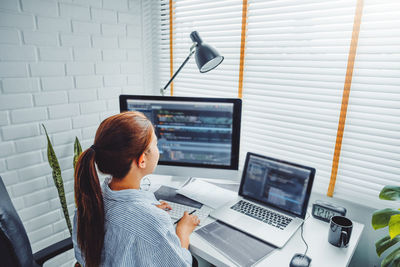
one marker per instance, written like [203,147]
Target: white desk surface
[320,250]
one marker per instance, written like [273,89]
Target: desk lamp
[207,58]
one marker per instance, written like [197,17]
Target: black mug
[340,231]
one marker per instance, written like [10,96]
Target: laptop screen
[277,183]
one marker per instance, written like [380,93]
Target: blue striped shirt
[137,233]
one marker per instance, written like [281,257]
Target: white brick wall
[85,27]
[63,64]
[16,53]
[9,36]
[40,38]
[20,85]
[47,69]
[11,69]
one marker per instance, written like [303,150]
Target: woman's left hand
[164,206]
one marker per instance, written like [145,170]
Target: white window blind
[219,25]
[370,156]
[295,67]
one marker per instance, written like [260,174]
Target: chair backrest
[15,249]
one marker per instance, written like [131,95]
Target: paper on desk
[218,181]
[224,183]
[206,193]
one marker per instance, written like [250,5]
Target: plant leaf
[385,243]
[394,226]
[58,181]
[390,192]
[393,256]
[380,218]
[77,151]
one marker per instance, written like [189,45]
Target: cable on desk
[302,237]
[304,240]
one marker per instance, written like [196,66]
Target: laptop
[273,199]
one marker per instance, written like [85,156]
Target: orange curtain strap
[242,47]
[346,94]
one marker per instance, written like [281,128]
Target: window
[295,68]
[219,24]
[370,155]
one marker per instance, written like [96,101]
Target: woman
[118,224]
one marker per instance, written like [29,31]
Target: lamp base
[162,91]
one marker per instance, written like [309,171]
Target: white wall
[62,63]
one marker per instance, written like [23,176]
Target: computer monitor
[197,136]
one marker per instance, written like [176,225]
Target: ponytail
[90,209]
[119,140]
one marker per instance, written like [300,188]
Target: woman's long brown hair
[119,140]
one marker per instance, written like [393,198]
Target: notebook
[272,200]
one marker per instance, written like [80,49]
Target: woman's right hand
[185,227]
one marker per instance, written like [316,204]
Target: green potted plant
[388,218]
[57,178]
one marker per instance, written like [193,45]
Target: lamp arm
[192,51]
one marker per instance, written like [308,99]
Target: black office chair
[15,249]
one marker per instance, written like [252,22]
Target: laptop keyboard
[265,215]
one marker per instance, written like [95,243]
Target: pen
[181,218]
[187,181]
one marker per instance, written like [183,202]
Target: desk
[320,250]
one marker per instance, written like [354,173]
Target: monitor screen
[191,131]
[277,183]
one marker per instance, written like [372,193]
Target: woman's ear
[141,161]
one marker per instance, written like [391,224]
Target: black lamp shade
[207,58]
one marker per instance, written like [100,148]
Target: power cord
[302,237]
[298,258]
